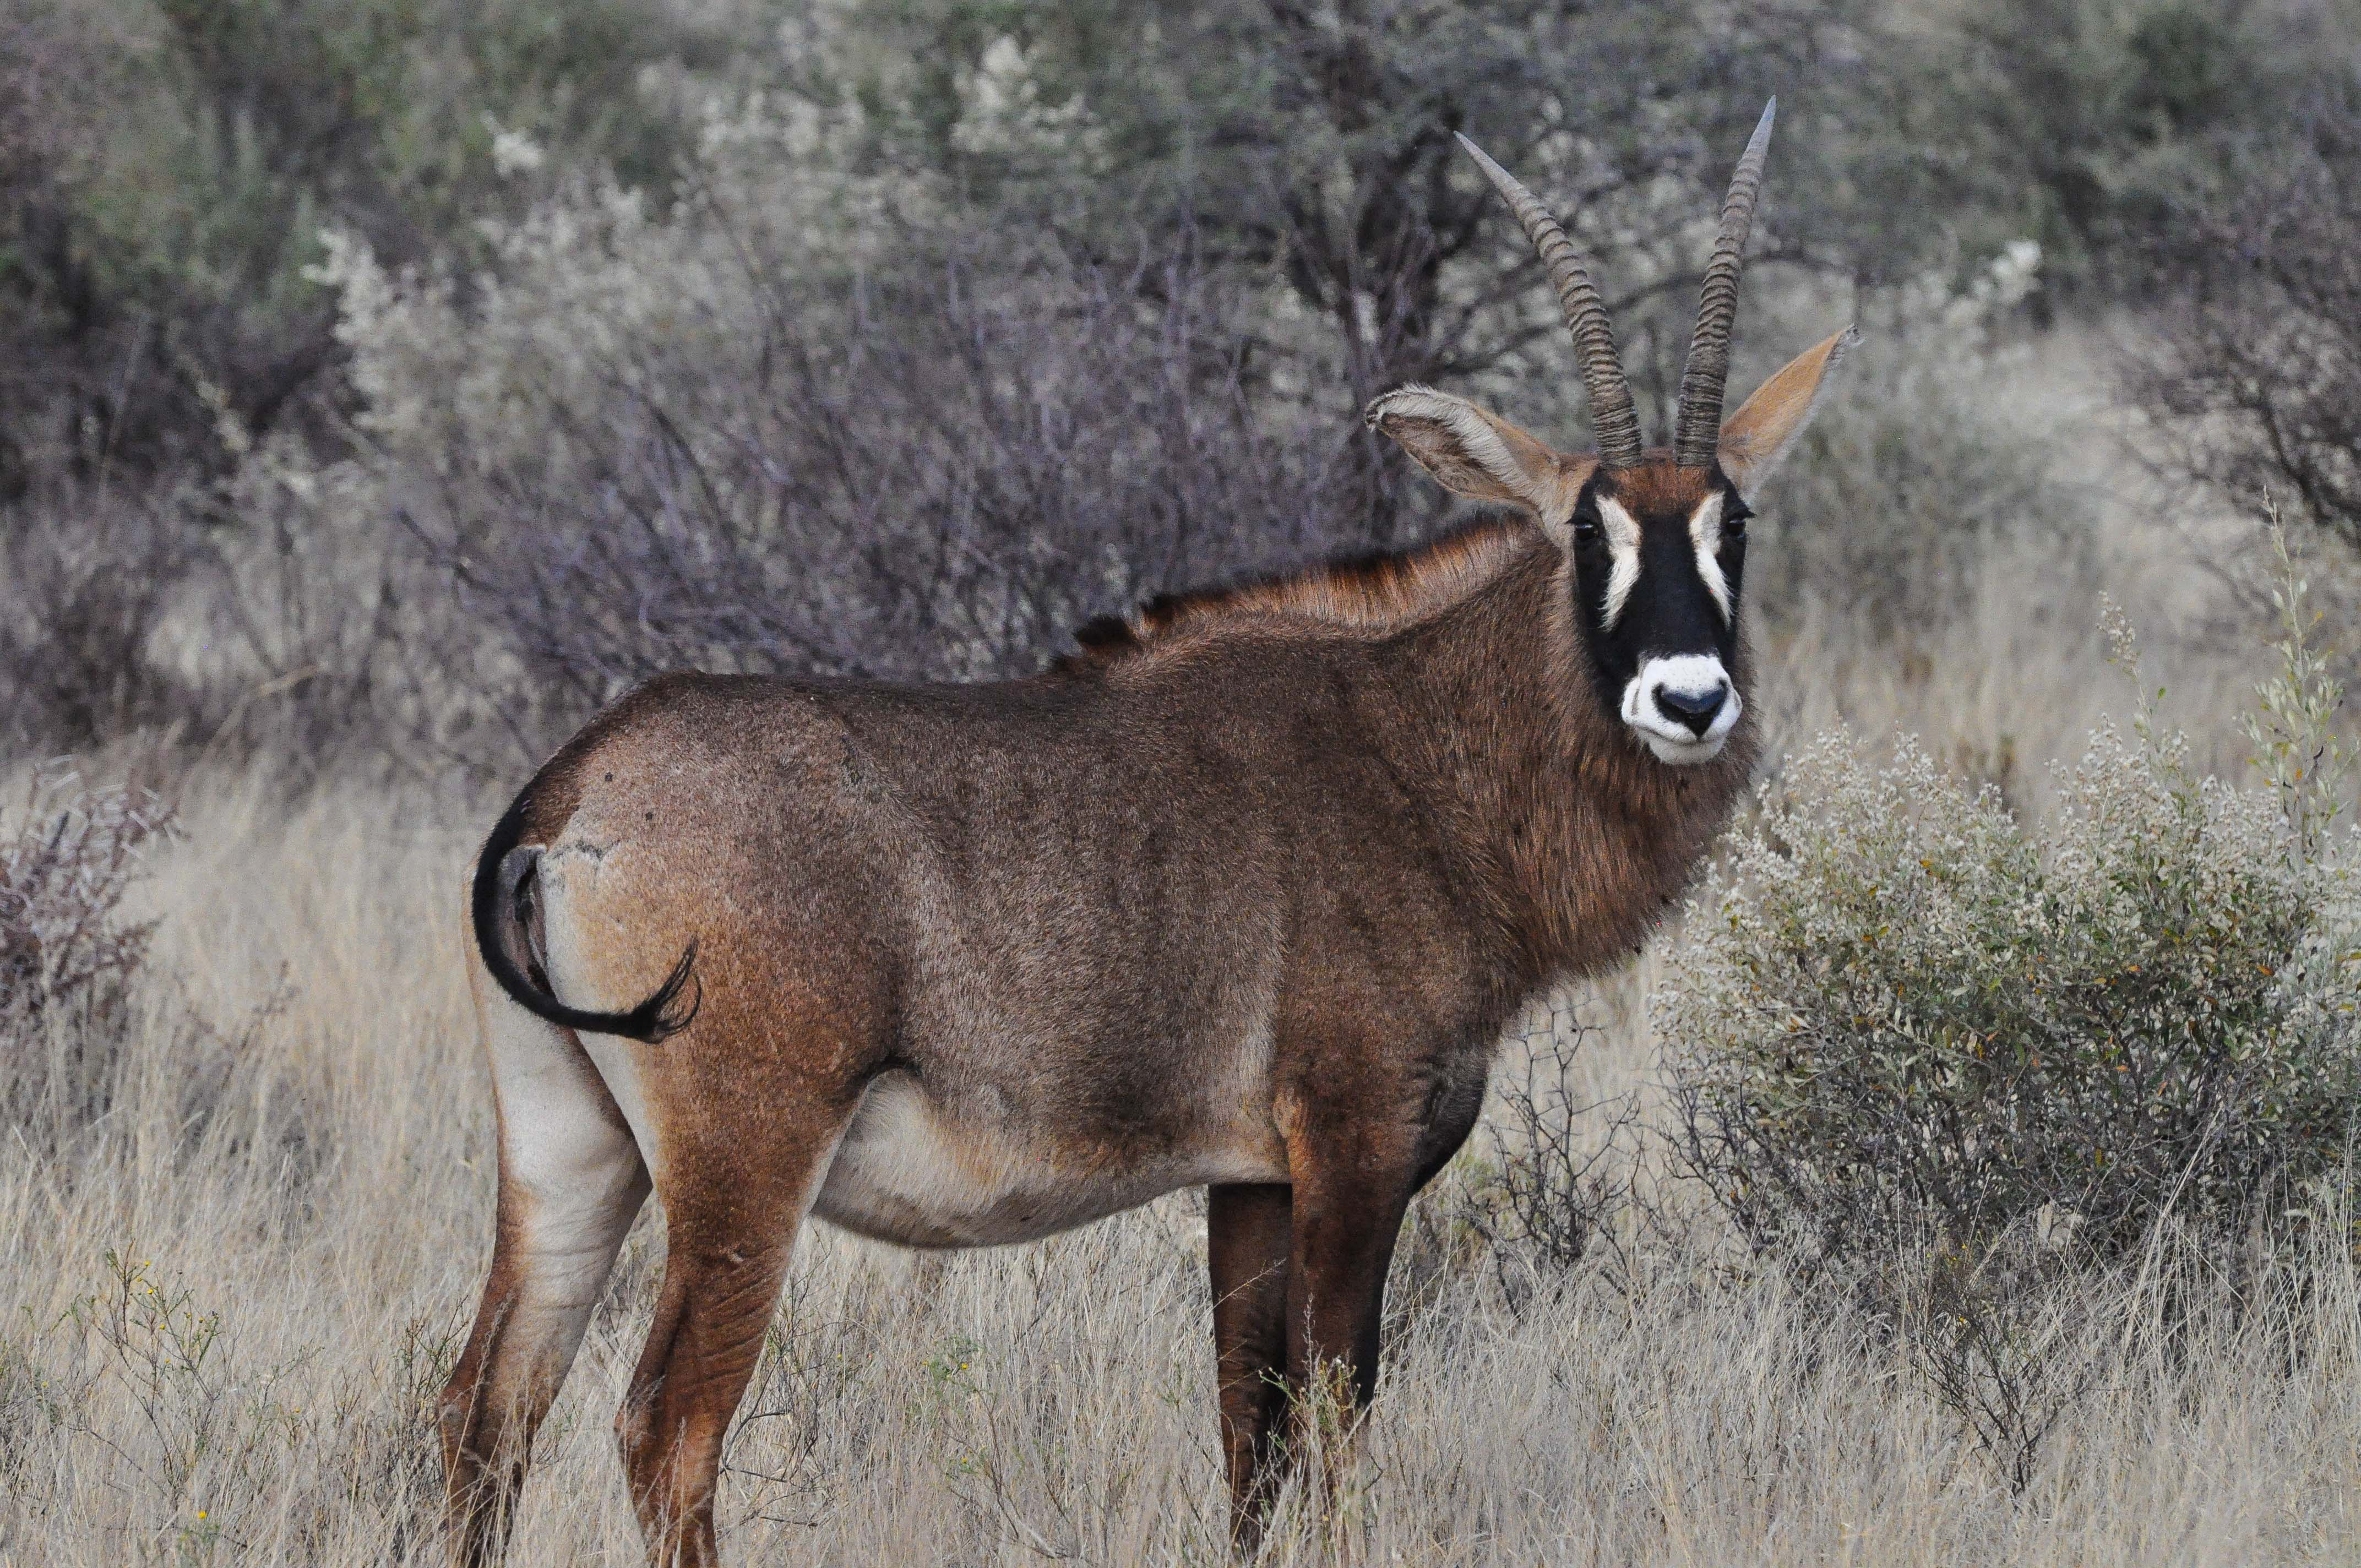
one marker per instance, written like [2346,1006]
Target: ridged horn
[1611,412]
[1697,428]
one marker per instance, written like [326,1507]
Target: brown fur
[1049,911]
[1377,593]
[1242,896]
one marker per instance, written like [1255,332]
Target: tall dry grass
[228,1302]
[228,1296]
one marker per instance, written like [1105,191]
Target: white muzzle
[1683,707]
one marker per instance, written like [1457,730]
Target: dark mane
[1375,592]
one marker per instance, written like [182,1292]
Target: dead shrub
[69,856]
[89,575]
[2254,382]
[1557,1171]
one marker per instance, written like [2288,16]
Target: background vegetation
[387,384]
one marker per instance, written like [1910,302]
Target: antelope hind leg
[732,1211]
[571,1182]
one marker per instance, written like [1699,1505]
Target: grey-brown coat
[1241,896]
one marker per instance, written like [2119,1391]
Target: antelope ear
[1478,455]
[1755,437]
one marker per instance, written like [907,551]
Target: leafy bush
[2081,122]
[1904,1019]
[171,163]
[1313,145]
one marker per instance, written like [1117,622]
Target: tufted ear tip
[1384,403]
[1470,452]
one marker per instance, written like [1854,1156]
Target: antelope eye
[1586,527]
[1733,525]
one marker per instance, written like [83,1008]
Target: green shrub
[2081,121]
[172,164]
[1904,1019]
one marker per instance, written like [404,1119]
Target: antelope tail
[506,877]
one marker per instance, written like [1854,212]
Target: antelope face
[1657,540]
[1659,557]
[1656,548]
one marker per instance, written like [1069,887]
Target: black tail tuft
[660,1018]
[493,914]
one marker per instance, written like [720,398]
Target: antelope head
[1655,539]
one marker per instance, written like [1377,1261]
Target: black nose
[1693,710]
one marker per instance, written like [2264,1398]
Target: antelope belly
[909,1171]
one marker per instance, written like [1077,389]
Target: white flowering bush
[1904,1017]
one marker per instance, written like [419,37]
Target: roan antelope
[1242,895]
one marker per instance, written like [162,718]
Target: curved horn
[1611,413]
[1697,429]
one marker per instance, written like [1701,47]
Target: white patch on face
[1704,533]
[1693,675]
[1623,548]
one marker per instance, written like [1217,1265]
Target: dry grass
[226,1305]
[315,1243]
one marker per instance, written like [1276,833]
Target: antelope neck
[1576,837]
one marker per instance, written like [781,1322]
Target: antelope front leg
[1246,1230]
[1350,1193]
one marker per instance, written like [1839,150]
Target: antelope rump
[1241,896]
